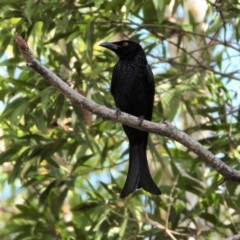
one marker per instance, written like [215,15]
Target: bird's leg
[118,112]
[141,118]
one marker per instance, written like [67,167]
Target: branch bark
[165,129]
[235,237]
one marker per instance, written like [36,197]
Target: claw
[141,118]
[118,112]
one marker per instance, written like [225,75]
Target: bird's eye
[125,44]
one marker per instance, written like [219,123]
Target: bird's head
[124,49]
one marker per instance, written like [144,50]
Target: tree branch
[165,129]
[235,237]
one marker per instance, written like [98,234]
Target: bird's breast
[131,88]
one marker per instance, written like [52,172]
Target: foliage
[62,169]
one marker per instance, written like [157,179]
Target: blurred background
[62,168]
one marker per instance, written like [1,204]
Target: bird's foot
[141,118]
[118,112]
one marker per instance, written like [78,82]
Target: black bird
[133,90]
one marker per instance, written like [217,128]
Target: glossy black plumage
[133,90]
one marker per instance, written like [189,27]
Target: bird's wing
[150,79]
[151,83]
[112,87]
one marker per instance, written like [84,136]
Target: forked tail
[138,172]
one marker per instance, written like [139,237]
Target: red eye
[125,44]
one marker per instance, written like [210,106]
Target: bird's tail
[138,172]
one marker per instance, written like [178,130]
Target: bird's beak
[110,46]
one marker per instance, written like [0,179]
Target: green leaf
[87,206]
[214,28]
